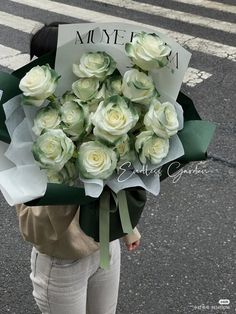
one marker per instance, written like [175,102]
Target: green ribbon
[104,225]
[124,212]
[89,213]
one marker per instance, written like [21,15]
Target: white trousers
[76,286]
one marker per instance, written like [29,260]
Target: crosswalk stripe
[174,15]
[193,43]
[211,5]
[194,76]
[18,22]
[7,52]
[13,59]
[15,62]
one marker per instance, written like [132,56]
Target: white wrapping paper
[111,37]
[149,182]
[21,179]
[5,163]
[22,184]
[146,176]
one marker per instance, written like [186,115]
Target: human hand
[133,246]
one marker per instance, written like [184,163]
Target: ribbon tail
[104,231]
[124,212]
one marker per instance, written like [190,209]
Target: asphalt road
[186,262]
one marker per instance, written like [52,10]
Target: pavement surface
[186,262]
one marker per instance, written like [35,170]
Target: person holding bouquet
[65,268]
[105,115]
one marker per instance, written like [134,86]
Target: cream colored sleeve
[132,237]
[44,223]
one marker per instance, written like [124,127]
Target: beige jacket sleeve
[39,224]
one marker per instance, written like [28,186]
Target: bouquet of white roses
[105,120]
[105,116]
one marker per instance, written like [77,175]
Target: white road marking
[7,52]
[194,76]
[211,5]
[19,23]
[13,59]
[193,43]
[174,15]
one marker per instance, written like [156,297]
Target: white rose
[86,88]
[162,119]
[74,117]
[95,64]
[96,160]
[53,149]
[151,147]
[138,87]
[38,84]
[113,119]
[46,118]
[148,51]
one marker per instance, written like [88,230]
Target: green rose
[74,117]
[113,85]
[95,64]
[89,90]
[86,88]
[138,87]
[124,150]
[67,175]
[70,171]
[113,119]
[38,84]
[46,118]
[55,176]
[162,119]
[148,51]
[96,161]
[68,96]
[53,149]
[151,147]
